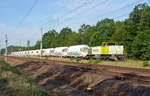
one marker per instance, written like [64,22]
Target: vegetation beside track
[126,63]
[14,83]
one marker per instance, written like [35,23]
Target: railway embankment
[64,78]
[14,83]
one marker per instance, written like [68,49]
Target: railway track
[94,66]
[102,80]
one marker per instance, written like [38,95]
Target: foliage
[97,61]
[90,61]
[3,81]
[13,49]
[104,31]
[49,39]
[78,59]
[7,67]
[141,46]
[94,61]
[145,64]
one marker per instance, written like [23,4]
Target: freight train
[107,50]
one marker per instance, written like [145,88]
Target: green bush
[7,67]
[97,61]
[4,66]
[3,81]
[145,64]
[90,61]
[78,59]
[15,70]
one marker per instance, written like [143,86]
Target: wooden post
[6,50]
[41,45]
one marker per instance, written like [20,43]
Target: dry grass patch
[126,63]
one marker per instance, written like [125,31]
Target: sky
[55,14]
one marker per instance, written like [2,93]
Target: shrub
[7,67]
[145,64]
[15,70]
[90,61]
[96,61]
[78,59]
[3,81]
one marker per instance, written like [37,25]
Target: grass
[14,83]
[78,60]
[126,63]
[97,61]
[146,64]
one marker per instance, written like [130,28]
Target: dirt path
[73,79]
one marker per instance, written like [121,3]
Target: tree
[83,31]
[83,28]
[104,31]
[120,33]
[88,34]
[63,37]
[141,46]
[49,39]
[132,26]
[145,20]
[74,39]
[37,45]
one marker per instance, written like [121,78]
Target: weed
[145,64]
[3,81]
[15,70]
[71,59]
[97,61]
[7,67]
[78,59]
[90,61]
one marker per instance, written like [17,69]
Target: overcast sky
[55,14]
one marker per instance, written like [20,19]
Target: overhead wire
[120,16]
[111,11]
[94,6]
[123,15]
[126,6]
[70,11]
[27,14]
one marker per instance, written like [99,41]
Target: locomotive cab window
[108,43]
[104,44]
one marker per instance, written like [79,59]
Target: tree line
[133,33]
